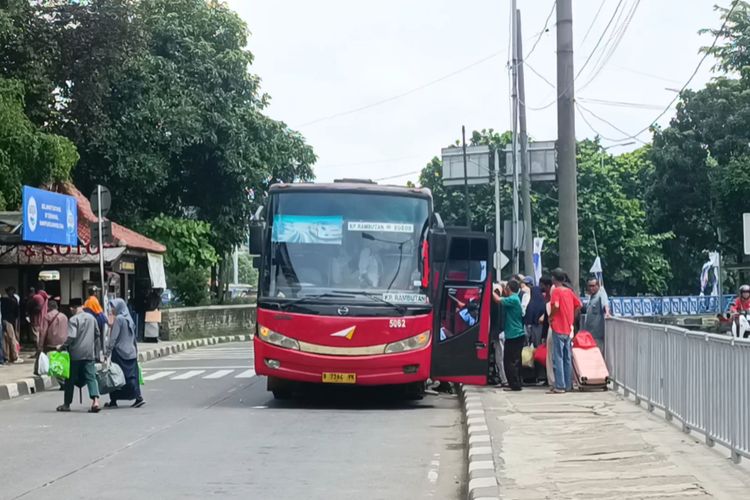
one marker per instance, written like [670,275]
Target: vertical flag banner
[596,270]
[537,259]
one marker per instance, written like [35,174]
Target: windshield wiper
[306,298]
[400,308]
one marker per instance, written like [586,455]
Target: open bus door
[463,301]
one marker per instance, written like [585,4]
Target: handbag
[527,356]
[42,364]
[59,364]
[110,378]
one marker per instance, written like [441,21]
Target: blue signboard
[49,217]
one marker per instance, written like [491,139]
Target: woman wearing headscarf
[93,307]
[124,351]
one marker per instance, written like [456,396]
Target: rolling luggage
[589,369]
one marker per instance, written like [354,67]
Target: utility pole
[466,180]
[527,238]
[566,145]
[514,74]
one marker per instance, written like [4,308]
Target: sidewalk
[588,445]
[19,380]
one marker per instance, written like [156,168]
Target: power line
[599,41]
[623,104]
[403,94]
[593,21]
[374,162]
[525,63]
[397,176]
[580,108]
[643,73]
[544,30]
[615,39]
[695,72]
[588,59]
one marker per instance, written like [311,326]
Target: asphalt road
[210,430]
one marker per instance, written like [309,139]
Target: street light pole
[466,180]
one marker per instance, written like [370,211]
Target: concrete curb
[34,384]
[481,457]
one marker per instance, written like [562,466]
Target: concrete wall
[197,322]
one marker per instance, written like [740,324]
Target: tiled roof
[122,235]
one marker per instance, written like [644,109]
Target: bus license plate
[339,378]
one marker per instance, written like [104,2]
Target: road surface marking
[158,375]
[246,374]
[177,368]
[218,374]
[187,375]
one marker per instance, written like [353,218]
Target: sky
[379,87]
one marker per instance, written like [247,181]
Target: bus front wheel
[281,389]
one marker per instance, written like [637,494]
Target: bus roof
[351,187]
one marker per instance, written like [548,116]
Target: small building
[133,263]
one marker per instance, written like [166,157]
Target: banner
[537,259]
[596,270]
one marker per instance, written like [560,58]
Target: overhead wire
[692,75]
[544,30]
[582,108]
[583,67]
[403,94]
[622,104]
[612,44]
[602,3]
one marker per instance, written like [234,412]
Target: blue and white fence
[633,307]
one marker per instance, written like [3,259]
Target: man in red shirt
[564,306]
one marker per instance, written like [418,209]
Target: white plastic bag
[42,364]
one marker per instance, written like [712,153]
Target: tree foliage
[159,99]
[701,170]
[189,255]
[610,207]
[27,154]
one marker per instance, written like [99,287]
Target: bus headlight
[277,339]
[415,342]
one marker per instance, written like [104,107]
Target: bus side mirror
[257,230]
[439,246]
[256,262]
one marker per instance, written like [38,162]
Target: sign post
[101,200]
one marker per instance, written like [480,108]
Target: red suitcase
[589,369]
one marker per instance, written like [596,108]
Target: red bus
[362,284]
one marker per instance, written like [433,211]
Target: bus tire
[281,389]
[414,391]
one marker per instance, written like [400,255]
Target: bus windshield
[361,243]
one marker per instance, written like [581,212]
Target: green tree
[189,255]
[27,155]
[608,207]
[700,160]
[248,274]
[158,97]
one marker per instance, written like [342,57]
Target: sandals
[95,409]
[63,408]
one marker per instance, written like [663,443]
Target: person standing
[545,283]
[9,312]
[534,316]
[597,310]
[123,348]
[83,334]
[515,336]
[37,310]
[564,306]
[56,332]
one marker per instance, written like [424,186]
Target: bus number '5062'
[397,323]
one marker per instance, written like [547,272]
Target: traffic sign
[106,233]
[746,232]
[502,258]
[106,201]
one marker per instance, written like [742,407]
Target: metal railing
[700,379]
[692,305]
